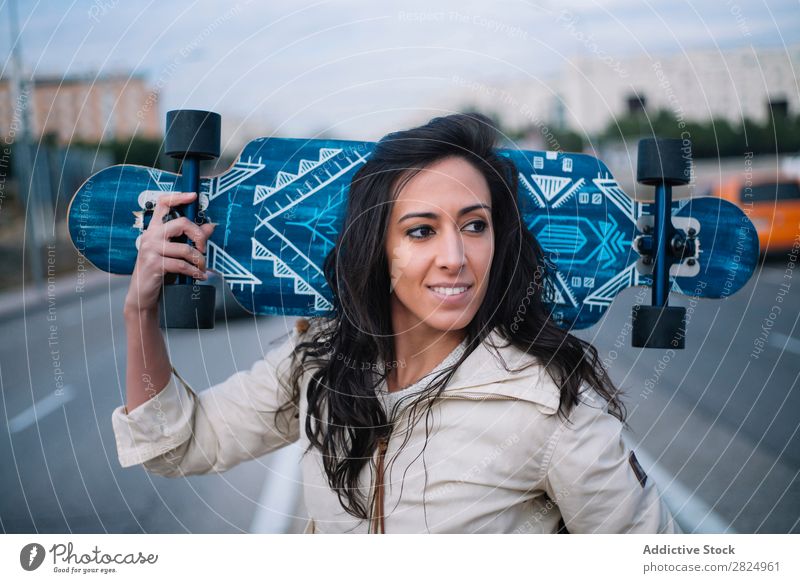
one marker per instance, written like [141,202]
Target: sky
[358,69]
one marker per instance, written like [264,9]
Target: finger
[185,252]
[168,200]
[208,230]
[173,265]
[183,226]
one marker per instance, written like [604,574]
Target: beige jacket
[498,458]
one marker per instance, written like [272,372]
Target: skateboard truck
[663,163]
[192,136]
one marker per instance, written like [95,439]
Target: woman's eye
[481,226]
[417,229]
[424,231]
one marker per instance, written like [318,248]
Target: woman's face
[440,240]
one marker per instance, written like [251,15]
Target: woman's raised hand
[159,256]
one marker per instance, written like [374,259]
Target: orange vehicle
[772,201]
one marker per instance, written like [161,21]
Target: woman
[441,398]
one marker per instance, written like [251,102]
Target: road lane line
[690,512]
[784,342]
[38,411]
[277,503]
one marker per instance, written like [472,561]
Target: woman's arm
[148,368]
[181,432]
[166,425]
[595,480]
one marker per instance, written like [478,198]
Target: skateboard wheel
[191,132]
[664,160]
[187,306]
[658,327]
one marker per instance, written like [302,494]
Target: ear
[301,325]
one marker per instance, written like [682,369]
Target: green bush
[714,138]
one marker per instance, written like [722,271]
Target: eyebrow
[434,216]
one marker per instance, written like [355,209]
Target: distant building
[84,108]
[697,85]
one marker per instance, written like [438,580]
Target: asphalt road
[716,423]
[61,474]
[721,417]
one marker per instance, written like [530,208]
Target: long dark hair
[345,419]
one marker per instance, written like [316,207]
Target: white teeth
[449,291]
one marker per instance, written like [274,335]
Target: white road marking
[785,342]
[691,513]
[279,495]
[38,411]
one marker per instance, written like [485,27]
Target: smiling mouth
[450,292]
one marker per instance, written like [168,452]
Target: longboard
[281,204]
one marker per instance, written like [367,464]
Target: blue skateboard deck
[282,202]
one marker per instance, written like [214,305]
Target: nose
[450,253]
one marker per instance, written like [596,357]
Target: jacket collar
[484,373]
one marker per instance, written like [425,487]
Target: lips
[450,293]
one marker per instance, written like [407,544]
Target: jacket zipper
[476,397]
[377,522]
